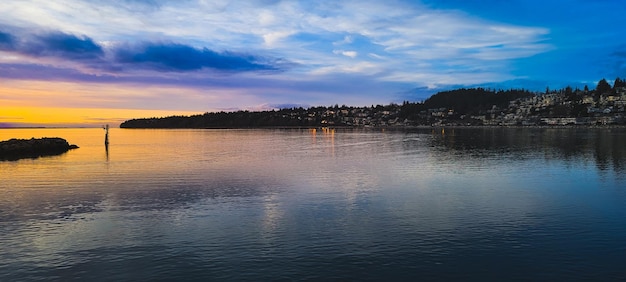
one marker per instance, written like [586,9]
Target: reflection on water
[428,204]
[604,146]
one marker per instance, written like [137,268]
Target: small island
[15,149]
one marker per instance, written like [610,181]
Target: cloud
[70,46]
[52,44]
[362,68]
[272,38]
[29,71]
[180,57]
[62,45]
[60,49]
[376,56]
[351,54]
[138,5]
[339,51]
[399,31]
[7,41]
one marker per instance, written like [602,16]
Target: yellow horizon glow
[88,117]
[70,104]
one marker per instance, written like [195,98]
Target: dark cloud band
[66,46]
[54,44]
[7,41]
[179,57]
[169,57]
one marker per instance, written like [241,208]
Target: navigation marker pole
[106,140]
[106,135]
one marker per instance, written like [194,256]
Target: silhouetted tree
[603,87]
[569,93]
[458,106]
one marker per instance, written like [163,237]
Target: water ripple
[293,205]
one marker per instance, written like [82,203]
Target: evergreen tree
[603,87]
[569,93]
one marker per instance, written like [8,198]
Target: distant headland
[604,105]
[15,149]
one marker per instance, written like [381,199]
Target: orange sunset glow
[66,104]
[80,63]
[82,117]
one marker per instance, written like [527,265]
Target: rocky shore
[15,149]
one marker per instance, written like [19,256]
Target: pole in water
[106,135]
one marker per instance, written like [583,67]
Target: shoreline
[394,127]
[612,126]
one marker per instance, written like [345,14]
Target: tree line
[464,101]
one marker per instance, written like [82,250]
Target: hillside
[473,106]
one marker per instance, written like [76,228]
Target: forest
[459,104]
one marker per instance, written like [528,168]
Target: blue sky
[202,56]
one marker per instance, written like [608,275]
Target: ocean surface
[424,204]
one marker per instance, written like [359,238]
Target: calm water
[465,204]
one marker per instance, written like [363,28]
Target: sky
[89,63]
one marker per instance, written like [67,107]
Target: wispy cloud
[351,54]
[281,52]
[401,31]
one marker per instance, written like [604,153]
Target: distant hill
[465,106]
[473,100]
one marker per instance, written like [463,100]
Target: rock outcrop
[15,149]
